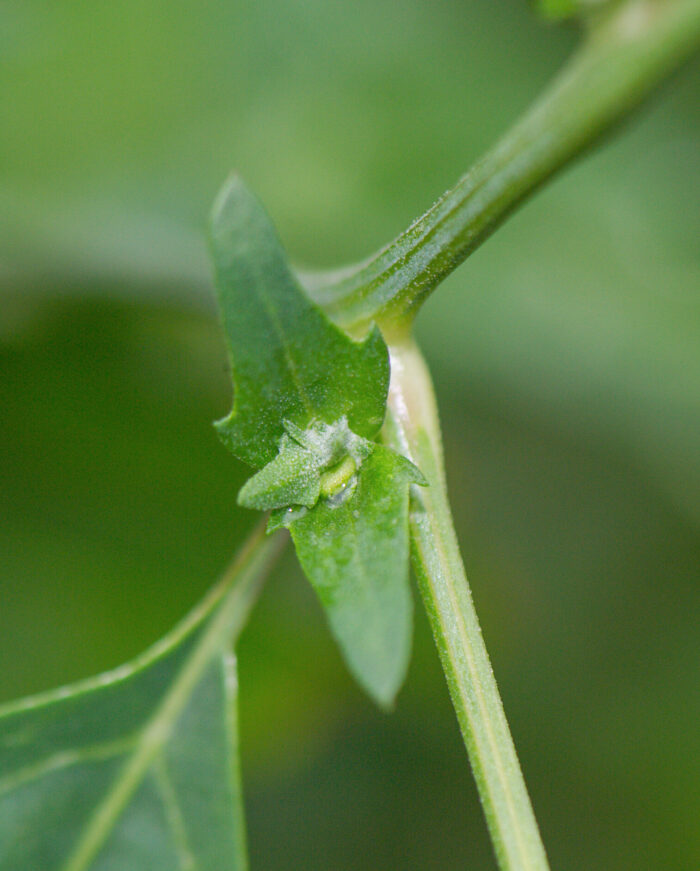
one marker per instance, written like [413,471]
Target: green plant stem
[229,602]
[625,53]
[412,428]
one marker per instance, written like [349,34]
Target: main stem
[413,430]
[626,52]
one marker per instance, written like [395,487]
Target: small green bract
[318,460]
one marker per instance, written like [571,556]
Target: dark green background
[566,356]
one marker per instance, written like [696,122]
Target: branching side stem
[625,53]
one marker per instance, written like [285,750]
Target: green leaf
[289,361]
[353,547]
[138,768]
[308,399]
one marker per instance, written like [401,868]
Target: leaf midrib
[281,334]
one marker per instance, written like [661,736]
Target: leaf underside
[63,758]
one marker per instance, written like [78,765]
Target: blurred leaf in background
[566,354]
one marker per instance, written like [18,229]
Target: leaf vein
[174,814]
[65,759]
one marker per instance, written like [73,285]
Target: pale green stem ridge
[625,53]
[412,428]
[240,586]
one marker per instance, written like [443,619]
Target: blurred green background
[566,355]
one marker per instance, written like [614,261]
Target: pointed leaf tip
[355,554]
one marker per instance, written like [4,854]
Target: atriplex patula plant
[334,413]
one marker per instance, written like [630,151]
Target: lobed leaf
[289,362]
